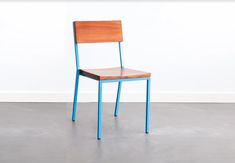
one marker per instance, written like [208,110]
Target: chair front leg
[99,122]
[147,107]
[75,96]
[118,99]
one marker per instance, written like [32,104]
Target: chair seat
[113,73]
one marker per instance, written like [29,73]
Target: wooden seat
[113,73]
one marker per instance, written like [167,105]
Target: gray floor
[180,133]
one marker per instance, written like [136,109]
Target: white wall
[188,47]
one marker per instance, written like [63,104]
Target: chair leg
[75,96]
[99,123]
[117,99]
[147,107]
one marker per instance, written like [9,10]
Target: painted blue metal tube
[99,123]
[77,56]
[118,80]
[120,54]
[119,83]
[76,83]
[118,99]
[123,80]
[147,107]
[75,96]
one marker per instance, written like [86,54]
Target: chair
[105,31]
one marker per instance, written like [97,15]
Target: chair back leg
[75,96]
[118,99]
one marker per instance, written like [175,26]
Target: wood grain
[113,73]
[98,31]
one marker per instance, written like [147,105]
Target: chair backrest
[97,31]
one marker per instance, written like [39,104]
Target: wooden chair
[106,31]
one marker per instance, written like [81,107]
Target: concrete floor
[180,133]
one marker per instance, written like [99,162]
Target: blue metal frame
[99,121]
[119,83]
[120,53]
[124,80]
[77,56]
[75,96]
[100,82]
[118,98]
[147,107]
[76,83]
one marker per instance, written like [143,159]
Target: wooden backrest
[98,31]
